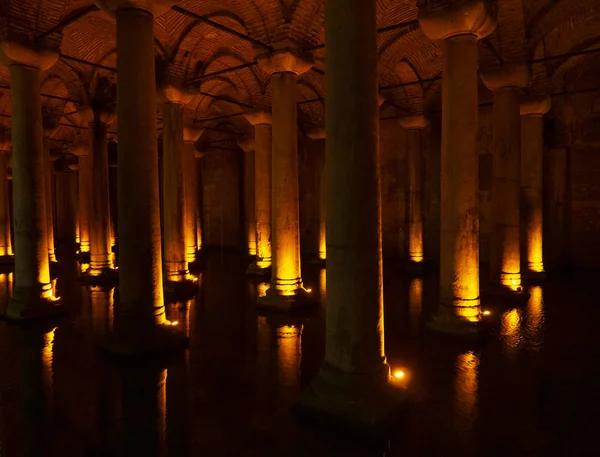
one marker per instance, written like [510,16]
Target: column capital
[316,132]
[417,122]
[172,89]
[191,133]
[511,75]
[442,19]
[13,52]
[247,144]
[154,7]
[284,60]
[536,106]
[259,118]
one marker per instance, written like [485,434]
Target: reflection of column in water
[289,353]
[35,350]
[102,310]
[535,318]
[47,359]
[161,413]
[264,340]
[415,301]
[323,286]
[261,288]
[510,330]
[465,390]
[5,290]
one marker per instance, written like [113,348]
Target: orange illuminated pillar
[318,135]
[140,323]
[247,146]
[33,295]
[284,66]
[505,255]
[6,250]
[49,186]
[173,192]
[99,216]
[460,26]
[414,126]
[532,144]
[190,188]
[353,384]
[84,174]
[261,120]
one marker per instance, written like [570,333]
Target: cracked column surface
[459,26]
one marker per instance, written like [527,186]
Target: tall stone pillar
[33,295]
[532,145]
[84,177]
[261,120]
[49,187]
[284,66]
[99,216]
[65,213]
[318,134]
[199,207]
[190,177]
[6,250]
[505,255]
[140,323]
[354,383]
[414,126]
[173,193]
[459,26]
[247,146]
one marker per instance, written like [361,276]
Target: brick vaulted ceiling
[187,48]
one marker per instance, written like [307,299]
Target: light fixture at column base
[297,300]
[256,270]
[502,295]
[451,324]
[366,405]
[138,341]
[27,306]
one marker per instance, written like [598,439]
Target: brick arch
[308,88]
[308,22]
[409,97]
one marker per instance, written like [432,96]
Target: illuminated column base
[285,295]
[462,317]
[261,267]
[30,304]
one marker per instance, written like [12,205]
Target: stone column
[261,120]
[353,384]
[190,136]
[84,177]
[286,279]
[247,146]
[65,214]
[49,186]
[532,145]
[318,134]
[140,323]
[459,26]
[99,216]
[505,255]
[6,250]
[33,295]
[414,126]
[176,268]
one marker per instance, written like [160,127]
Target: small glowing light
[514,282]
[308,290]
[486,313]
[195,279]
[175,323]
[399,374]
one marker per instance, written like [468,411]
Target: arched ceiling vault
[193,48]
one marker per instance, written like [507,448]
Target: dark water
[528,388]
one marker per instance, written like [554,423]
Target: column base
[136,341]
[534,276]
[256,270]
[7,260]
[367,405]
[28,305]
[321,263]
[181,290]
[414,268]
[445,320]
[102,276]
[502,295]
[299,300]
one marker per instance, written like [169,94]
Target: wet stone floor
[527,388]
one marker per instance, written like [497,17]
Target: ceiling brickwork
[188,49]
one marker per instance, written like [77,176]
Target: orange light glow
[308,290]
[289,354]
[487,313]
[466,384]
[511,280]
[534,243]
[535,318]
[399,374]
[262,288]
[84,267]
[415,300]
[510,329]
[175,323]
